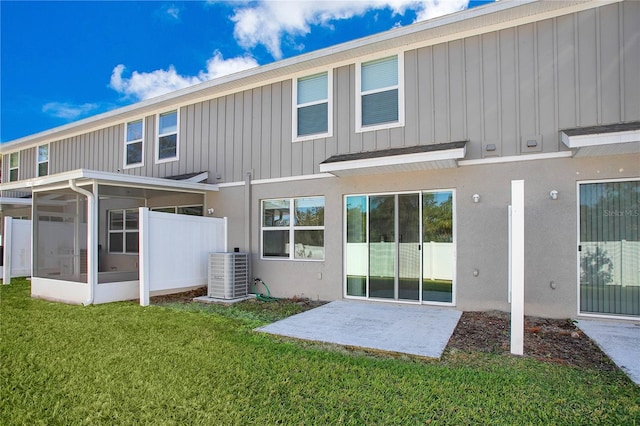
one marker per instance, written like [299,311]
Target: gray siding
[501,88]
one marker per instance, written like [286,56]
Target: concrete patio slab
[409,329]
[619,340]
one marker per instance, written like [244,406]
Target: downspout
[91,240]
[247,212]
[247,219]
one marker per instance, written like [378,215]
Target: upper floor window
[134,135]
[14,166]
[167,144]
[312,106]
[293,228]
[43,160]
[380,93]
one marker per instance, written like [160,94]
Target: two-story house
[381,168]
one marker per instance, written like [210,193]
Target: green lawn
[124,364]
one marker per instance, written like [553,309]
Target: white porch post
[6,242]
[517,267]
[143,255]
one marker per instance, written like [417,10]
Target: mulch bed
[550,340]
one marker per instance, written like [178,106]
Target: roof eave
[395,38]
[80,175]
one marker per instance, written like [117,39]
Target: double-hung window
[14,166]
[312,107]
[167,144]
[43,160]
[123,231]
[380,93]
[133,143]
[293,228]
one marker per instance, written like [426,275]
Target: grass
[171,365]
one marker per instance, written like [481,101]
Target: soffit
[407,159]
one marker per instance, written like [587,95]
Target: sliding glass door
[609,248]
[400,246]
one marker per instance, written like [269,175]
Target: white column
[6,241]
[143,255]
[517,267]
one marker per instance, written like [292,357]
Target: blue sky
[64,61]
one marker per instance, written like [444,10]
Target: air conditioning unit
[228,275]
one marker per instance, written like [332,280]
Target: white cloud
[173,12]
[217,66]
[68,111]
[145,85]
[434,8]
[169,13]
[267,22]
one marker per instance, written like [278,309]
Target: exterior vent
[228,275]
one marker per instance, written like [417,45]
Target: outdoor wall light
[553,195]
[476,198]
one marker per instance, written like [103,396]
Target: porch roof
[84,176]
[12,202]
[420,157]
[609,139]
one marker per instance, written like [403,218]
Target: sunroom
[87,231]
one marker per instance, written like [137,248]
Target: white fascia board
[103,177]
[277,180]
[106,177]
[394,160]
[580,141]
[15,201]
[516,158]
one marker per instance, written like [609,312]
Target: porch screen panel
[610,248]
[357,258]
[60,235]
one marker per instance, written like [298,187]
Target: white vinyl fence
[17,249]
[174,250]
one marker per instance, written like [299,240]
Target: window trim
[291,227]
[9,168]
[359,94]
[158,160]
[127,143]
[38,162]
[124,231]
[295,106]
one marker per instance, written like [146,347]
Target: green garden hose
[261,296]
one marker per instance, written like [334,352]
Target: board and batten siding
[500,88]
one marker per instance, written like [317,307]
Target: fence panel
[174,250]
[17,249]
